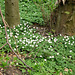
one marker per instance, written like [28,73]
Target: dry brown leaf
[13,74]
[70,70]
[20,56]
[61,73]
[14,55]
[66,69]
[1,73]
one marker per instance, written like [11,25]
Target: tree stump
[63,20]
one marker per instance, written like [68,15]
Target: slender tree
[12,12]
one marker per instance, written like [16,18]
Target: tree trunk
[64,17]
[12,12]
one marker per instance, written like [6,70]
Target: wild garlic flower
[55,40]
[45,59]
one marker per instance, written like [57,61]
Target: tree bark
[12,16]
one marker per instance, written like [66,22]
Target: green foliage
[54,53]
[37,11]
[51,54]
[4,60]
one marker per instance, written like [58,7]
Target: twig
[3,45]
[9,43]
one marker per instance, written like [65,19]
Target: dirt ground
[10,71]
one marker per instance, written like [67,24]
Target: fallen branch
[7,42]
[3,45]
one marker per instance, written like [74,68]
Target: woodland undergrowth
[46,55]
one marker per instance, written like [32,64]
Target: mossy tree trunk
[64,17]
[12,12]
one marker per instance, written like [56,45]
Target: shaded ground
[43,30]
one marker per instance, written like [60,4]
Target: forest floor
[12,70]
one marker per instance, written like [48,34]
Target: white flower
[72,37]
[51,49]
[20,40]
[65,45]
[34,42]
[16,63]
[64,36]
[16,36]
[38,33]
[71,43]
[25,24]
[51,35]
[23,42]
[18,25]
[22,46]
[34,36]
[15,49]
[36,27]
[70,50]
[35,63]
[17,46]
[52,56]
[21,17]
[70,56]
[9,40]
[32,45]
[63,39]
[8,30]
[50,46]
[22,5]
[57,53]
[40,55]
[65,42]
[49,41]
[25,31]
[45,59]
[55,40]
[60,35]
[11,34]
[36,45]
[67,39]
[63,57]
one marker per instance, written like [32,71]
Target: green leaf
[66,12]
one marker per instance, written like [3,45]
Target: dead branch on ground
[7,42]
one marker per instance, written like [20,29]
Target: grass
[46,55]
